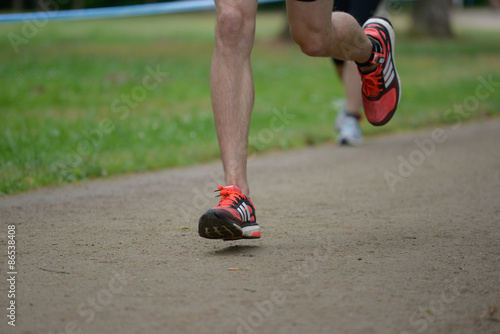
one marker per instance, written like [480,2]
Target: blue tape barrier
[49,13]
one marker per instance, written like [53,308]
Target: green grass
[65,117]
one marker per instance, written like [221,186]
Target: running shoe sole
[215,226]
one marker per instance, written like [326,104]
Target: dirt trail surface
[343,250]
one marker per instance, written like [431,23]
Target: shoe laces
[371,83]
[228,195]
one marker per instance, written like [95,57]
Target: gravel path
[400,235]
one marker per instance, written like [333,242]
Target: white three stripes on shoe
[244,212]
[389,73]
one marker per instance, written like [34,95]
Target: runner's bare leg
[352,85]
[318,32]
[232,87]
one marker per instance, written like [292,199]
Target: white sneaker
[349,132]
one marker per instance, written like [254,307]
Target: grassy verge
[87,99]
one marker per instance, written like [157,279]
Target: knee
[311,43]
[234,28]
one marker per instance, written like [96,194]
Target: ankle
[242,185]
[371,64]
[354,114]
[367,69]
[245,190]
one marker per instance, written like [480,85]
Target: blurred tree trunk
[432,18]
[17,5]
[78,4]
[285,33]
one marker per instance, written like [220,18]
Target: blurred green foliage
[78,99]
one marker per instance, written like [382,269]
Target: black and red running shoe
[382,87]
[233,218]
